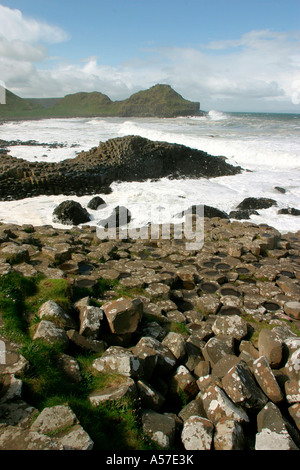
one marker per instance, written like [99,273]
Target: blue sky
[231,55]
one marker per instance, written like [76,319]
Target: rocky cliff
[157,101]
[130,158]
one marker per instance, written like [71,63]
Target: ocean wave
[214,115]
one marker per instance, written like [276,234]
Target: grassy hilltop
[157,101]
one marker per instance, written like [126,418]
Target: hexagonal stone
[51,332]
[159,427]
[292,309]
[266,380]
[273,433]
[229,435]
[90,321]
[294,411]
[183,383]
[292,390]
[241,387]
[270,346]
[148,348]
[51,310]
[126,388]
[151,399]
[231,325]
[215,349]
[76,439]
[123,315]
[54,419]
[118,360]
[218,405]
[15,254]
[175,342]
[197,433]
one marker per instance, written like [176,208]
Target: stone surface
[197,433]
[123,315]
[160,428]
[266,380]
[50,332]
[118,360]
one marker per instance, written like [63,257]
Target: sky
[230,55]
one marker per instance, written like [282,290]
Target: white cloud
[258,71]
[14,25]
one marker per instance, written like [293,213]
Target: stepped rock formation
[206,342]
[130,158]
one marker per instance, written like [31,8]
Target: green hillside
[82,104]
[157,101]
[16,107]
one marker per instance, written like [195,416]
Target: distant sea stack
[158,101]
[130,158]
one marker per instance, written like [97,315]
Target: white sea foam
[267,145]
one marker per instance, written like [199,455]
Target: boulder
[86,344]
[229,435]
[70,213]
[273,430]
[15,254]
[151,399]
[96,202]
[215,349]
[175,342]
[123,315]
[242,214]
[197,433]
[240,386]
[76,439]
[182,385]
[50,332]
[124,389]
[270,346]
[54,419]
[160,428]
[218,405]
[290,211]
[52,311]
[231,325]
[154,354]
[266,380]
[256,203]
[119,360]
[292,309]
[90,321]
[70,367]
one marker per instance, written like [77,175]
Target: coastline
[242,285]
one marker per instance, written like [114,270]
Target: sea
[265,145]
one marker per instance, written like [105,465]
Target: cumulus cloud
[14,25]
[258,70]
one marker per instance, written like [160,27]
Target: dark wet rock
[205,211]
[96,203]
[242,214]
[280,189]
[256,203]
[70,213]
[130,158]
[290,211]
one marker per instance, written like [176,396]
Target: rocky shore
[207,341]
[130,158]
